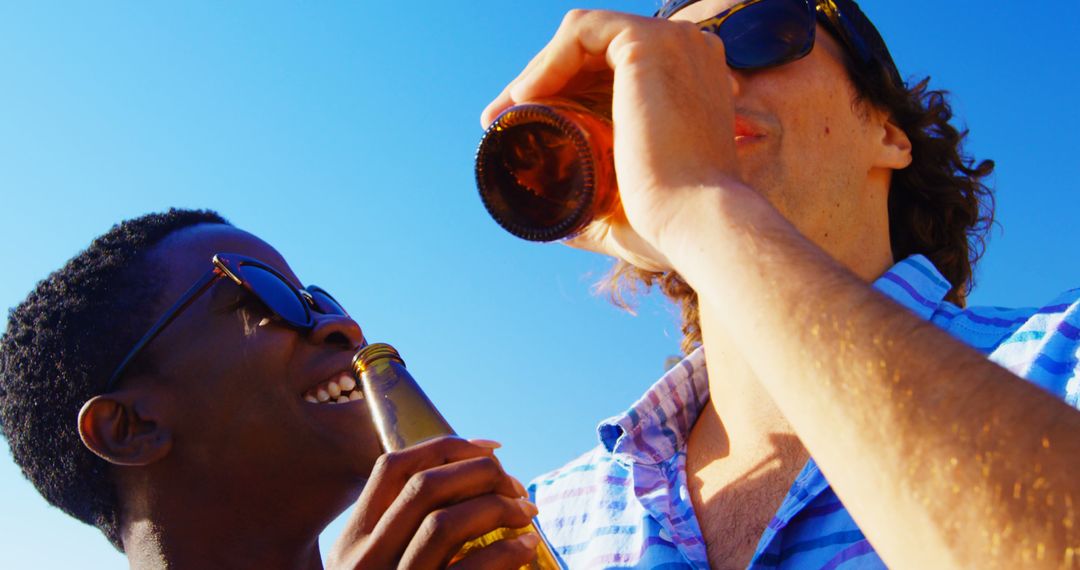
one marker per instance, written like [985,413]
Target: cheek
[822,102]
[252,321]
[825,125]
[248,363]
[826,136]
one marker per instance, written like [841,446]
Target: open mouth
[341,388]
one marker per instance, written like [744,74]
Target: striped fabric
[625,504]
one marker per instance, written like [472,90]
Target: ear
[895,146]
[111,427]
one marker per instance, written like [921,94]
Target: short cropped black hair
[59,349]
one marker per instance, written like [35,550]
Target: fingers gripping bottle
[404,416]
[546,169]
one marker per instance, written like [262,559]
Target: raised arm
[943,458]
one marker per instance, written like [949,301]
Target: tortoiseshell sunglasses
[758,34]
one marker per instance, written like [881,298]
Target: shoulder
[594,473]
[1037,343]
[587,497]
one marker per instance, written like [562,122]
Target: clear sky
[343,134]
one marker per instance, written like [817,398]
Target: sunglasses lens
[278,295]
[326,304]
[768,33]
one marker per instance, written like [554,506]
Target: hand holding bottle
[421,504]
[405,417]
[673,113]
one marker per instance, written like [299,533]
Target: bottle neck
[403,415]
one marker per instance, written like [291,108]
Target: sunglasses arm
[189,297]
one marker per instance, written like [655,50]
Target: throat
[742,454]
[737,483]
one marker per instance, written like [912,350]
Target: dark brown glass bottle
[546,169]
[404,416]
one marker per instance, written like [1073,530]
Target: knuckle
[687,27]
[686,35]
[636,35]
[418,485]
[574,17]
[712,40]
[444,447]
[513,515]
[634,48]
[490,468]
[437,522]
[387,463]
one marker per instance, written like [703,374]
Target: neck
[868,253]
[150,544]
[196,533]
[742,455]
[740,427]
[741,424]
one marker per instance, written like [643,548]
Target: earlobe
[112,429]
[895,146]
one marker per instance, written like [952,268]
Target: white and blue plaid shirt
[625,504]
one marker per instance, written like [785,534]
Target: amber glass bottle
[546,169]
[404,416]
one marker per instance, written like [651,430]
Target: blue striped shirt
[626,504]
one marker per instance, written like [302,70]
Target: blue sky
[344,133]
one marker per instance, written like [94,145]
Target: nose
[338,330]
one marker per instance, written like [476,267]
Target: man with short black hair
[171,385]
[817,221]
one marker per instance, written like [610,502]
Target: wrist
[713,225]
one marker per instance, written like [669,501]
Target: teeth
[346,382]
[333,389]
[337,391]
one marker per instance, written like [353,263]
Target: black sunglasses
[291,304]
[759,34]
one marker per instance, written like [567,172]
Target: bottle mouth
[535,173]
[371,353]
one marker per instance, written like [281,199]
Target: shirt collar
[916,284]
[657,425]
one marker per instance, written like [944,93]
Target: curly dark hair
[61,344]
[938,206]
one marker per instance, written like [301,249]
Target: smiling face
[230,381]
[819,155]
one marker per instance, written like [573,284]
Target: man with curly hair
[817,221]
[176,387]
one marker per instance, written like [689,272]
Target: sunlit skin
[219,462]
[804,143]
[766,191]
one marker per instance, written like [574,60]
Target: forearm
[939,454]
